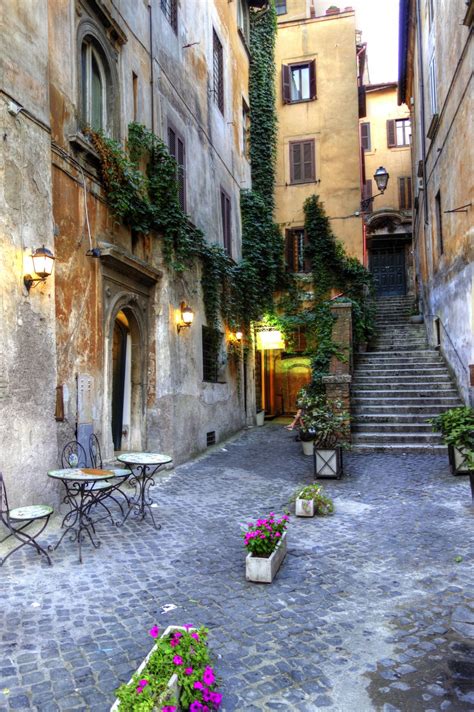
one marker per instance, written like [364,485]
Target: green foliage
[323,420]
[457,428]
[323,504]
[263,537]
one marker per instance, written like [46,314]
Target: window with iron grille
[170,10]
[211,438]
[226,213]
[296,241]
[211,341]
[176,148]
[218,80]
[302,163]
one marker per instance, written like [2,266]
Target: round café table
[143,467]
[85,488]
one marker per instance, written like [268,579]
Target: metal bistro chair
[17,520]
[95,455]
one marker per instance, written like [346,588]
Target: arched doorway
[127,381]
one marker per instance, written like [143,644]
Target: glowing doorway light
[270,340]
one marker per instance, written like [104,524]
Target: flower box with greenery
[326,426]
[311,500]
[457,430]
[175,675]
[265,540]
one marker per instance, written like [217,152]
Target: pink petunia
[174,642]
[208,676]
[188,671]
[188,627]
[195,706]
[198,685]
[178,660]
[195,636]
[168,708]
[154,631]
[216,698]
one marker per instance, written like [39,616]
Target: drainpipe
[152,60]
[421,86]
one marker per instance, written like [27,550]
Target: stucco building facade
[95,348]
[435,81]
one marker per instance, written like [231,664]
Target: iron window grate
[211,438]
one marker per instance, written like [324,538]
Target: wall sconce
[187,316]
[43,262]
[239,335]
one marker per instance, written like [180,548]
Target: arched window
[94,86]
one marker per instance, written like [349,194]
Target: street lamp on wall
[43,262]
[381,177]
[187,316]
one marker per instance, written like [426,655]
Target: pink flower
[277,534]
[154,632]
[178,660]
[216,698]
[195,706]
[141,685]
[188,627]
[188,671]
[195,636]
[198,685]
[178,634]
[174,642]
[168,708]
[208,676]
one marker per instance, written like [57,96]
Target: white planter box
[304,508]
[172,688]
[308,446]
[260,570]
[260,417]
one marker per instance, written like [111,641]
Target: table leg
[140,503]
[77,520]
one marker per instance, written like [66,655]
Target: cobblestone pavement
[371,609]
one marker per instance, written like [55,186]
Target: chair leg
[25,539]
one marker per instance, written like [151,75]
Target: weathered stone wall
[338,383]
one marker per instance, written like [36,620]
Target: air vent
[211,438]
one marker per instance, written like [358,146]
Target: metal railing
[440,321]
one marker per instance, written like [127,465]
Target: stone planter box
[458,461]
[304,507]
[172,689]
[260,570]
[328,462]
[260,417]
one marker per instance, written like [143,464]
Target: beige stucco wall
[331,120]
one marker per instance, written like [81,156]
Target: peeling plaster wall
[28,445]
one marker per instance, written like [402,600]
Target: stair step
[392,427]
[400,449]
[395,419]
[400,386]
[405,370]
[396,409]
[362,377]
[392,437]
[447,402]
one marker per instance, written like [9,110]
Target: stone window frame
[92,31]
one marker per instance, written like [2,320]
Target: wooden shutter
[365,135]
[404,192]
[362,102]
[312,79]
[296,173]
[308,160]
[285,84]
[409,193]
[391,134]
[180,157]
[171,142]
[307,262]
[226,220]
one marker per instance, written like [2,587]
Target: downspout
[421,85]
[152,61]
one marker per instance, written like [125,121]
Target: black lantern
[381,178]
[43,262]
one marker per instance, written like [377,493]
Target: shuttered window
[302,162]
[170,10]
[226,222]
[295,244]
[404,192]
[298,82]
[398,132]
[177,150]
[211,341]
[218,68]
[367,203]
[365,136]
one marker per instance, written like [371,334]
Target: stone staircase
[398,384]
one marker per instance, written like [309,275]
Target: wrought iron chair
[18,519]
[73,455]
[95,455]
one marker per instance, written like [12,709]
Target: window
[226,215]
[218,63]
[302,164]
[135,96]
[367,203]
[177,150]
[280,7]
[433,90]
[211,341]
[365,136]
[398,132]
[170,10]
[296,241]
[299,82]
[439,222]
[94,85]
[404,193]
[245,129]
[243,19]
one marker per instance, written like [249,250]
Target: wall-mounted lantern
[43,262]
[239,335]
[381,177]
[187,316]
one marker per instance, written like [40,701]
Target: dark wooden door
[387,265]
[119,355]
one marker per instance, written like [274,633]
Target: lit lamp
[239,335]
[43,262]
[187,316]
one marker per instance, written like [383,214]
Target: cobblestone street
[371,610]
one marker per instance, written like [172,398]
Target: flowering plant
[322,503]
[262,538]
[184,652]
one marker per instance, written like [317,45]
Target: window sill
[244,42]
[433,127]
[302,182]
[80,143]
[299,101]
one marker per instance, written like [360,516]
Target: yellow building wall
[332,120]
[382,106]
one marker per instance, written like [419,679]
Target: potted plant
[326,425]
[266,544]
[175,675]
[457,430]
[311,500]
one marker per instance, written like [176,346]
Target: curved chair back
[94,451]
[3,499]
[73,455]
